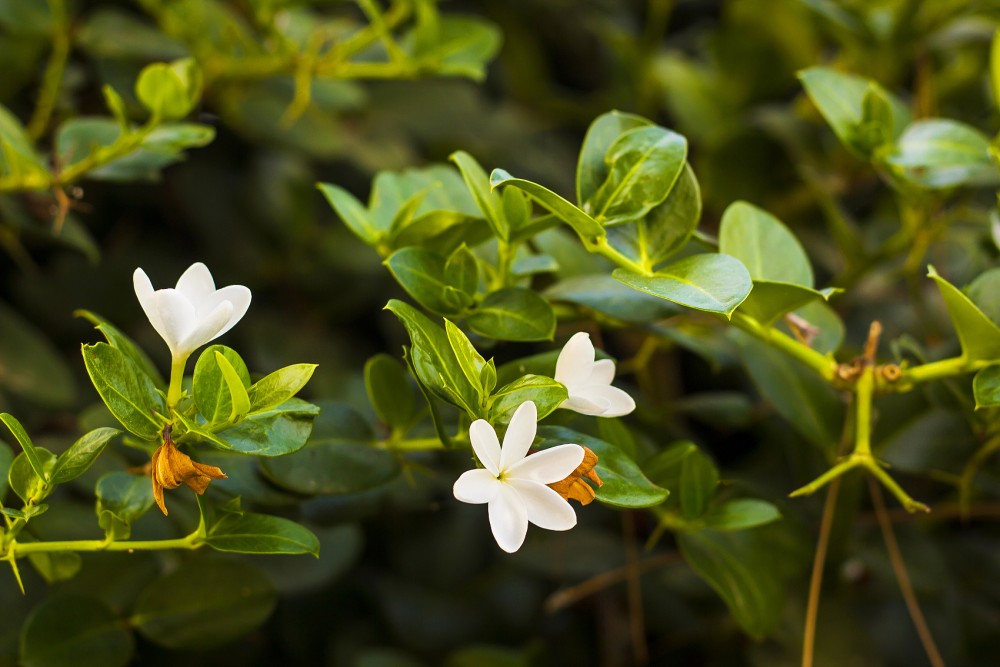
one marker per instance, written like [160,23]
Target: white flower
[514,485]
[194,312]
[589,381]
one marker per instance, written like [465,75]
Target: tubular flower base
[171,467]
[573,487]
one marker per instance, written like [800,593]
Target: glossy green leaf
[698,479]
[986,387]
[433,360]
[122,498]
[260,534]
[129,393]
[980,336]
[758,239]
[583,224]
[390,391]
[740,514]
[275,388]
[461,271]
[463,46]
[984,291]
[941,153]
[74,630]
[30,367]
[237,389]
[514,313]
[624,483]
[115,338]
[601,293]
[277,431]
[421,274]
[769,301]
[736,565]
[591,168]
[18,157]
[213,393]
[711,282]
[81,454]
[6,459]
[546,393]
[353,213]
[24,481]
[27,446]
[204,603]
[333,468]
[469,360]
[489,202]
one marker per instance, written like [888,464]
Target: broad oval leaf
[591,168]
[986,387]
[274,389]
[122,498]
[81,454]
[74,630]
[277,431]
[421,273]
[353,213]
[115,338]
[698,479]
[390,391]
[600,292]
[250,533]
[769,301]
[940,153]
[24,481]
[213,393]
[546,393]
[711,282]
[740,514]
[514,313]
[333,468]
[130,394]
[488,201]
[765,246]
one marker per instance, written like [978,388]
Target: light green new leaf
[469,360]
[237,389]
[489,202]
[17,152]
[169,91]
[591,168]
[978,334]
[514,313]
[461,271]
[249,533]
[941,153]
[711,282]
[280,430]
[986,387]
[74,630]
[585,226]
[352,212]
[765,246]
[740,514]
[81,454]
[213,392]
[546,393]
[27,446]
[274,389]
[24,481]
[129,393]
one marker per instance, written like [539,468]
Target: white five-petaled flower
[194,312]
[589,381]
[514,484]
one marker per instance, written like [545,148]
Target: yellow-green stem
[176,376]
[823,365]
[192,541]
[864,391]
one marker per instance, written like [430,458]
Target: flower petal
[619,402]
[207,328]
[145,293]
[176,318]
[586,405]
[575,361]
[476,486]
[520,434]
[486,445]
[239,296]
[196,283]
[508,518]
[602,373]
[549,465]
[545,508]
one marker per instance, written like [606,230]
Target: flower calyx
[573,487]
[171,467]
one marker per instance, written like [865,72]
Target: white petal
[196,283]
[508,518]
[176,318]
[575,361]
[239,296]
[520,434]
[549,465]
[145,293]
[620,403]
[207,328]
[476,486]
[586,405]
[486,445]
[545,508]
[602,373]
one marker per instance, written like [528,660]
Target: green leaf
[28,447]
[711,282]
[514,313]
[30,367]
[74,630]
[129,393]
[698,480]
[352,212]
[433,359]
[986,387]
[585,226]
[600,292]
[979,336]
[644,163]
[204,603]
[591,168]
[6,459]
[421,274]
[117,339]
[758,239]
[274,389]
[277,431]
[624,483]
[237,389]
[984,291]
[260,534]
[169,91]
[469,360]
[18,158]
[736,565]
[333,468]
[81,454]
[389,391]
[463,47]
[488,201]
[213,392]
[939,153]
[24,481]
[122,498]
[740,514]
[56,565]
[546,393]
[768,301]
[461,271]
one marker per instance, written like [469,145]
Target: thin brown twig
[903,577]
[637,621]
[567,597]
[816,580]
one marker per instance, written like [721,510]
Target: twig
[567,597]
[637,622]
[816,581]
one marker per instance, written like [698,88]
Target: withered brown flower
[171,467]
[573,487]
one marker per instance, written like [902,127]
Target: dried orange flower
[573,487]
[171,467]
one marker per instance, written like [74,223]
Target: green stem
[49,91]
[176,376]
[102,156]
[944,368]
[192,541]
[601,247]
[864,390]
[823,365]
[412,444]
